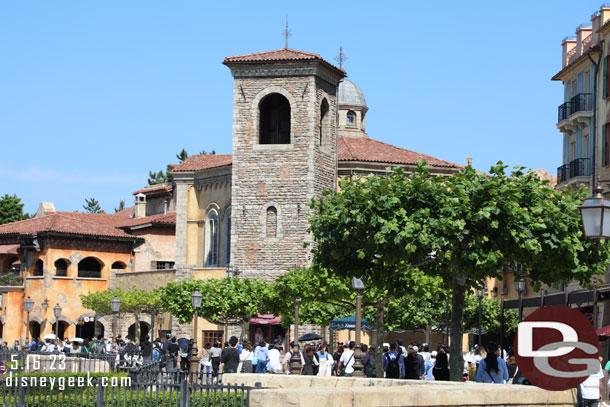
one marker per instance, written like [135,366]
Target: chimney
[469,161]
[140,206]
[567,45]
[595,26]
[165,206]
[604,11]
[583,31]
[45,208]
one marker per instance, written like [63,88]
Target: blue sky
[93,95]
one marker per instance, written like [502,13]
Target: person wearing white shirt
[273,364]
[590,389]
[347,360]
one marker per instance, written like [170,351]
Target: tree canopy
[11,209]
[462,228]
[92,206]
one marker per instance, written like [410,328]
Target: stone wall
[285,176]
[347,391]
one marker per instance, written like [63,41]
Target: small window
[164,265]
[271,222]
[118,265]
[61,268]
[351,118]
[38,268]
[228,239]
[211,239]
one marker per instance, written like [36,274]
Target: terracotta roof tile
[366,149]
[279,55]
[70,223]
[155,188]
[204,161]
[159,219]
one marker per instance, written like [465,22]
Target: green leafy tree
[490,316]
[462,228]
[226,301]
[134,301]
[11,209]
[182,155]
[205,152]
[92,206]
[157,178]
[121,206]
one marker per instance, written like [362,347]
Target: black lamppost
[520,287]
[160,319]
[196,299]
[57,312]
[28,305]
[358,286]
[115,307]
[295,359]
[480,296]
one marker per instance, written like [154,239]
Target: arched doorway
[86,330]
[61,333]
[34,329]
[144,330]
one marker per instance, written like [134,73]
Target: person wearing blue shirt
[493,368]
[429,366]
[393,363]
[262,356]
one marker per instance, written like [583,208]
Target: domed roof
[350,94]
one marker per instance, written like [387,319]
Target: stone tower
[284,154]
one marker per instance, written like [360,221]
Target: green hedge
[128,397]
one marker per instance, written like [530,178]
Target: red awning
[266,319]
[604,332]
[8,248]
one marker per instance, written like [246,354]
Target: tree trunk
[427,334]
[137,330]
[456,360]
[380,336]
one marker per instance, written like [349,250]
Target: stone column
[181,222]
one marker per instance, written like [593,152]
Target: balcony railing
[581,167]
[583,102]
[563,173]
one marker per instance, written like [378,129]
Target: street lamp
[57,312]
[358,286]
[196,299]
[480,296]
[115,307]
[28,305]
[520,287]
[160,319]
[45,304]
[295,359]
[595,214]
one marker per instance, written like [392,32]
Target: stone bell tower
[284,154]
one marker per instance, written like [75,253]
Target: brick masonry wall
[285,176]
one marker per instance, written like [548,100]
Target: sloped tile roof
[69,223]
[279,55]
[155,188]
[204,161]
[366,149]
[160,219]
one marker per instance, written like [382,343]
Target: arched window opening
[61,268]
[211,239]
[89,268]
[271,221]
[39,268]
[228,239]
[324,121]
[274,123]
[13,264]
[118,265]
[351,118]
